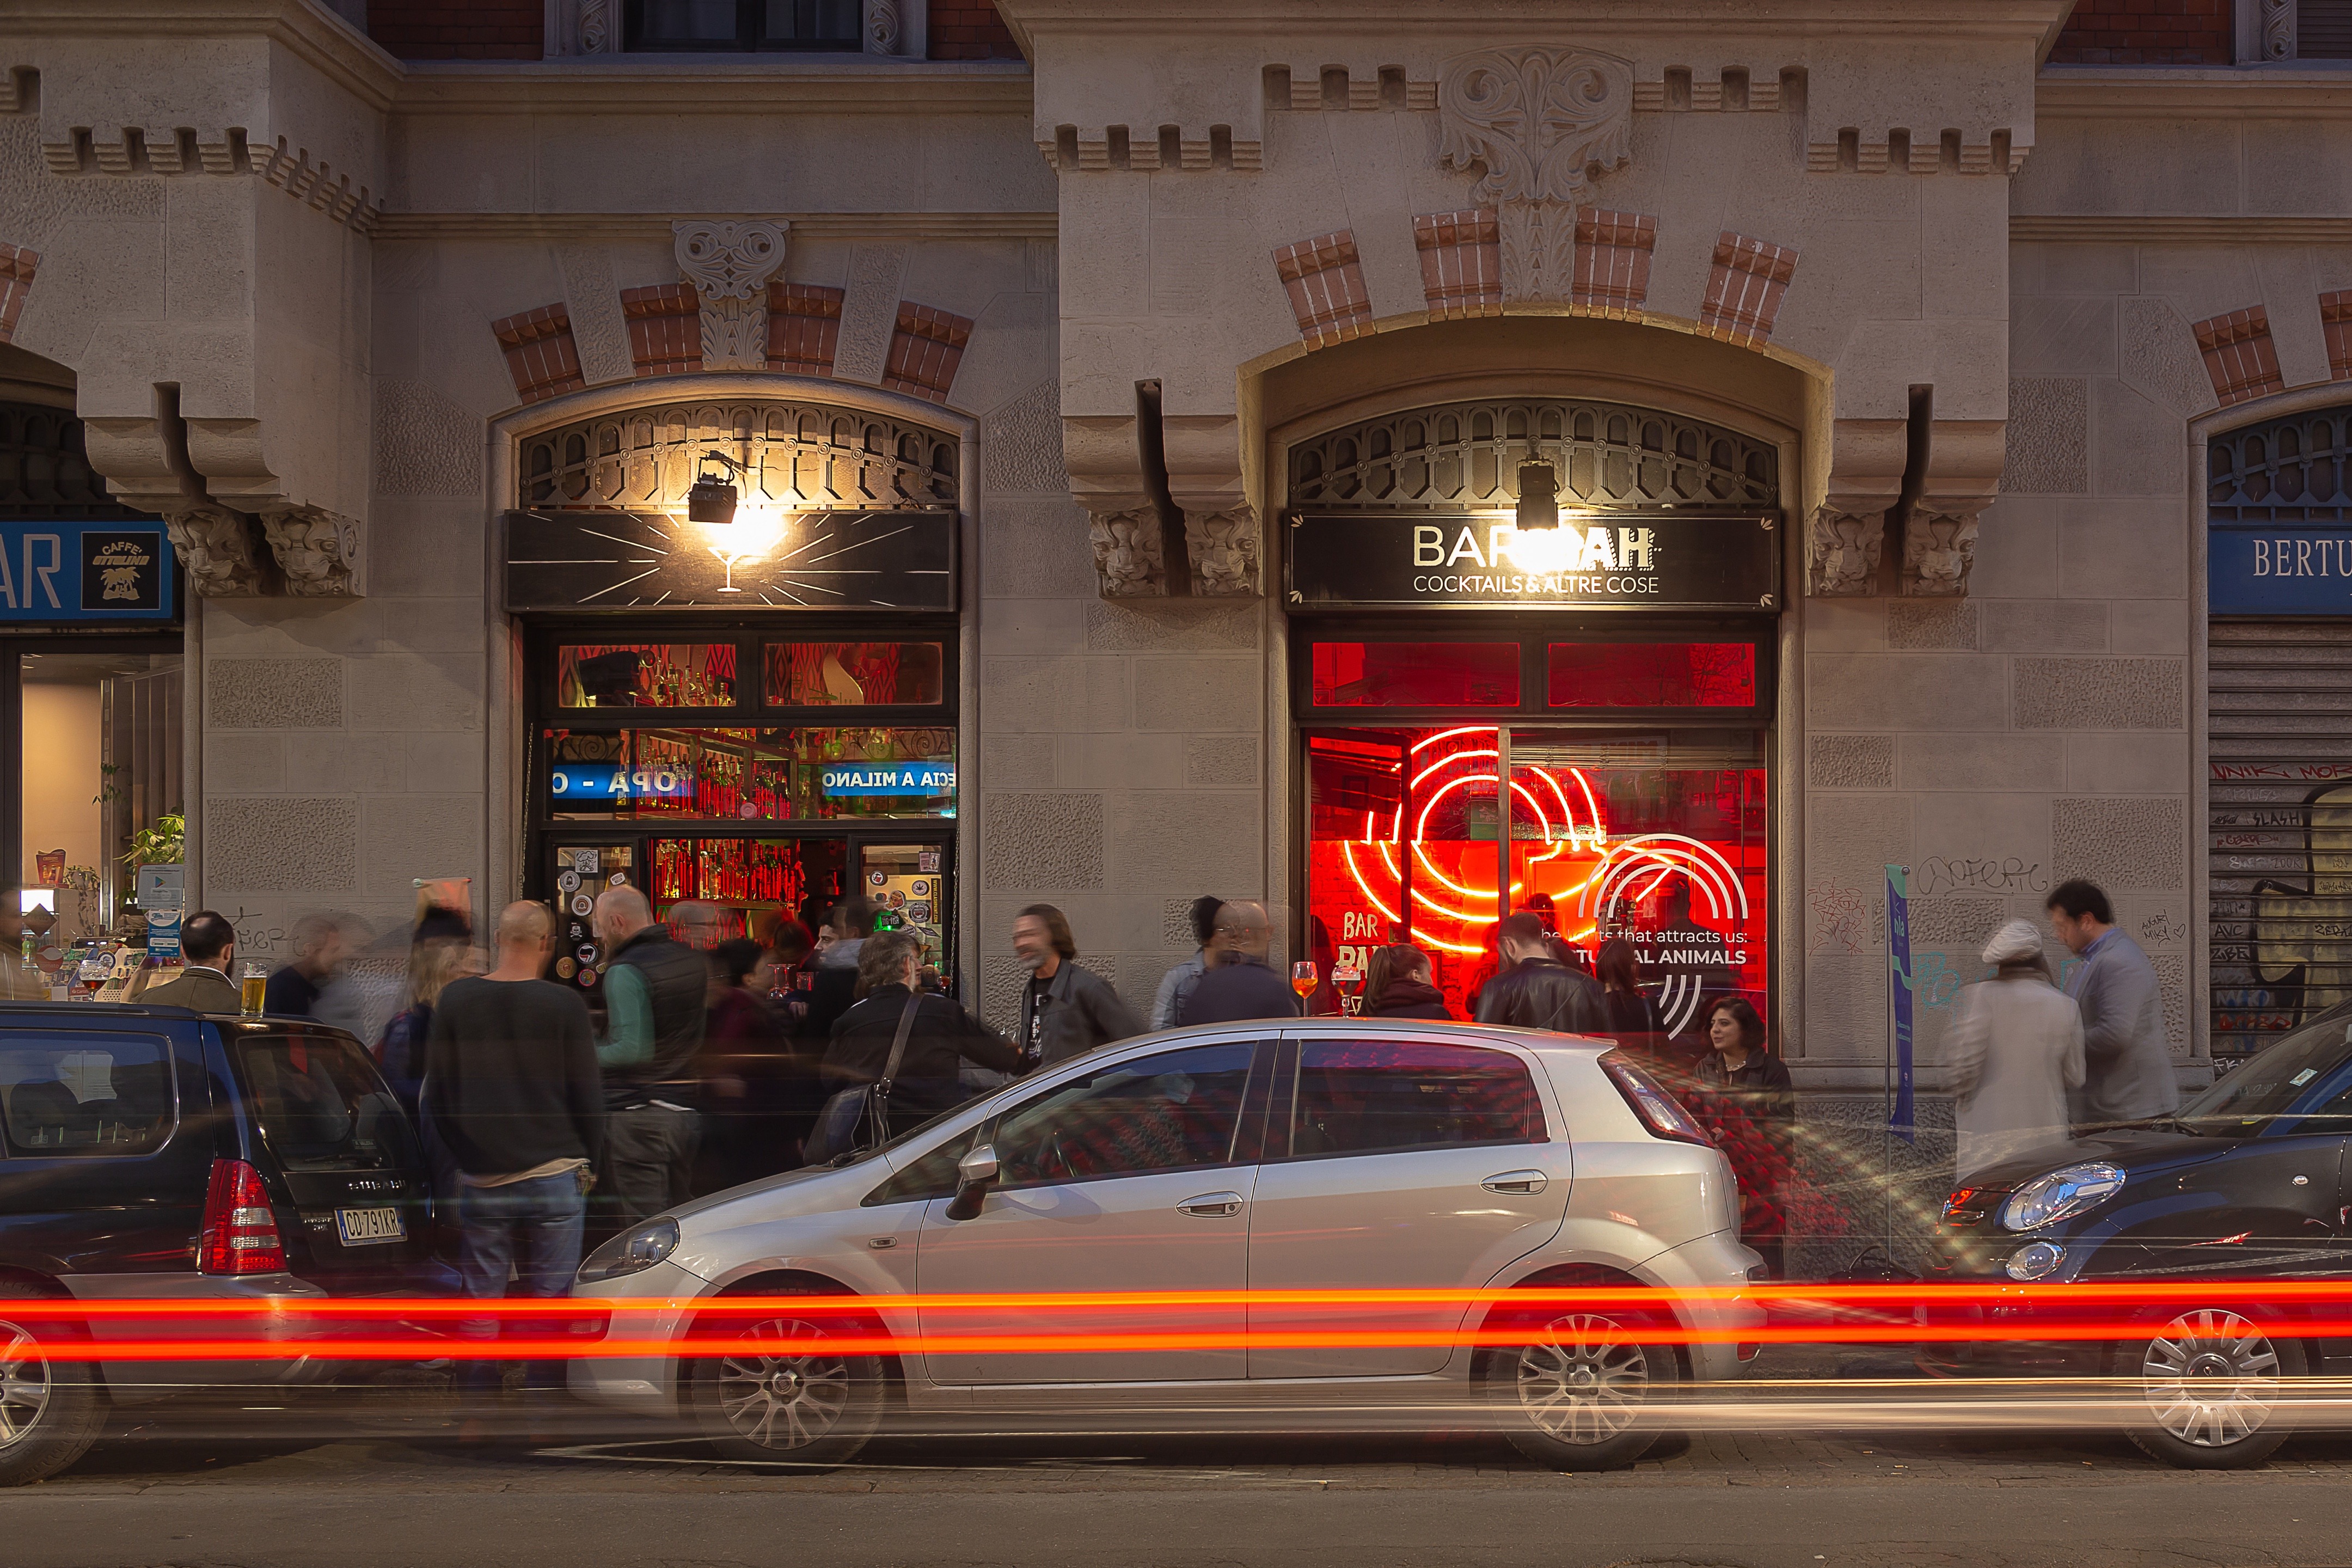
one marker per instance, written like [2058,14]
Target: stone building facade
[1945,307]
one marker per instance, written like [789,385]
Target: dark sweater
[511,1079]
[1235,990]
[1408,998]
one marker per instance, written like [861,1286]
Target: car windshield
[2308,1073]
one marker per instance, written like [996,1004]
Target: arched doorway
[757,710]
[1534,665]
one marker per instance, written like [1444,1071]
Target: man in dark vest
[654,998]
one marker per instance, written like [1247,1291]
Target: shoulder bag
[860,1118]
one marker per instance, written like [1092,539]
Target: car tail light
[240,1233]
[1661,1112]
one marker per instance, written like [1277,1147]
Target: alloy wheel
[788,1394]
[1584,1381]
[2212,1378]
[24,1385]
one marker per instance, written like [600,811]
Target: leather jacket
[1540,994]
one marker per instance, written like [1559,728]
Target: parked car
[2245,1185]
[157,1152]
[1326,1154]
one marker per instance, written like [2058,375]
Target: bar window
[1651,675]
[1416,675]
[646,675]
[854,674]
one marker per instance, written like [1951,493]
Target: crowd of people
[719,1062]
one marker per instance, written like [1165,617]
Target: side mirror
[975,1173]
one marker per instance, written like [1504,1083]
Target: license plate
[361,1226]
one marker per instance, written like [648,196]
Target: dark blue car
[153,1152]
[2247,1185]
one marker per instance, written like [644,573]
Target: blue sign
[163,935]
[2278,569]
[1904,1118]
[611,781]
[54,573]
[889,778]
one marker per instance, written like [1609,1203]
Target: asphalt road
[357,1483]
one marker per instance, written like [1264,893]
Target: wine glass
[1302,976]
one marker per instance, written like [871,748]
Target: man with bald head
[511,1089]
[1239,984]
[654,991]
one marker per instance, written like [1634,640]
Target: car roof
[100,1012]
[1488,1034]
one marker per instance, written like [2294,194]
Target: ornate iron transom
[800,456]
[2298,468]
[43,473]
[1468,454]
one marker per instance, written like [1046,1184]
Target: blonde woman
[433,963]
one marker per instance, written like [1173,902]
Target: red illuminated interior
[1658,838]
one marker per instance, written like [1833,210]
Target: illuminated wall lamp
[710,507]
[1538,496]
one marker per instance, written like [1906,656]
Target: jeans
[648,1157]
[533,1228]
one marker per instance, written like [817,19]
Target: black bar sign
[1595,560]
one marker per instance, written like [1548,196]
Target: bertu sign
[1650,561]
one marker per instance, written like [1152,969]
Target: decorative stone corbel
[1938,548]
[1845,532]
[884,30]
[1221,532]
[1127,554]
[224,560]
[1224,550]
[730,265]
[318,550]
[1842,551]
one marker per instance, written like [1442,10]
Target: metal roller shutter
[2280,730]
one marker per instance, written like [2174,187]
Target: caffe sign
[1649,562]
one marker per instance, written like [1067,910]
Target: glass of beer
[1302,976]
[249,995]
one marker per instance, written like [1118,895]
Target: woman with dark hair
[1633,1021]
[1748,1102]
[941,1038]
[1396,985]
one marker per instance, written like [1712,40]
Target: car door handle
[1211,1205]
[1516,1182]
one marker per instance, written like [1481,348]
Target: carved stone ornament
[730,265]
[1939,548]
[1842,553]
[1127,554]
[219,549]
[596,25]
[884,31]
[318,550]
[1224,550]
[1541,122]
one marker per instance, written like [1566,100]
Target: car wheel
[50,1411]
[1583,1392]
[786,1394]
[2213,1382]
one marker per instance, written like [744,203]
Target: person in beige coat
[2015,1049]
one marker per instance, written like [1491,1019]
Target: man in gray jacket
[2129,1068]
[1065,1011]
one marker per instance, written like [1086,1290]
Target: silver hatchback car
[1293,1217]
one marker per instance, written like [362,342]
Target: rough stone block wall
[458,29]
[2146,32]
[2037,730]
[1121,749]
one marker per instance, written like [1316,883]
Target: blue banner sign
[608,781]
[1903,1117]
[889,778]
[79,574]
[2278,569]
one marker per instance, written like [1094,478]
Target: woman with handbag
[897,1055]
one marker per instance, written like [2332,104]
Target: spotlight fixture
[712,498]
[1538,496]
